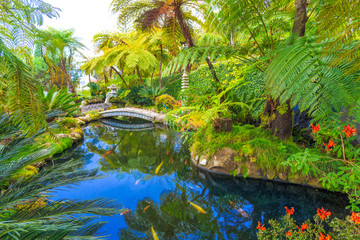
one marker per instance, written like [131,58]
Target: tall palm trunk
[281,124]
[187,35]
[161,60]
[70,84]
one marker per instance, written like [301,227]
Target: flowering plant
[287,228]
[337,162]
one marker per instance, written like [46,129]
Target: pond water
[148,171]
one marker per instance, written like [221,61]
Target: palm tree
[58,49]
[123,53]
[164,14]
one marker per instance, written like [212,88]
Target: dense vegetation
[252,63]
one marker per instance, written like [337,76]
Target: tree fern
[300,73]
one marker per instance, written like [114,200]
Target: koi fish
[146,208]
[125,212]
[197,207]
[107,153]
[158,168]
[239,210]
[155,236]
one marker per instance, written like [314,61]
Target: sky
[87,17]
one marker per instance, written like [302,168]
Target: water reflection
[130,160]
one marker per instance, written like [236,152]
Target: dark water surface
[161,200]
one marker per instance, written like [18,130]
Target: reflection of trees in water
[173,218]
[138,150]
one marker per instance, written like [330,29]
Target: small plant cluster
[338,165]
[287,228]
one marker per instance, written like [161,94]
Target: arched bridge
[135,112]
[118,124]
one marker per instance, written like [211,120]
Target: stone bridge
[114,123]
[135,112]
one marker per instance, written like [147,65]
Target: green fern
[302,74]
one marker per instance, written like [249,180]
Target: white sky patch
[87,17]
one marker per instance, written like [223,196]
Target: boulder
[85,119]
[223,160]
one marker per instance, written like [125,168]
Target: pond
[147,170]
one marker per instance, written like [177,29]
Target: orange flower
[322,237]
[290,211]
[315,128]
[261,228]
[323,214]
[349,131]
[330,145]
[288,233]
[355,217]
[303,227]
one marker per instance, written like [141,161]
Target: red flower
[288,233]
[322,237]
[290,211]
[304,226]
[330,145]
[261,228]
[323,214]
[349,131]
[315,128]
[355,217]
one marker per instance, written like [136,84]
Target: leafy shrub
[58,100]
[69,123]
[151,93]
[166,101]
[339,165]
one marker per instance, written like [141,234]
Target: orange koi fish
[239,210]
[108,152]
[146,208]
[125,212]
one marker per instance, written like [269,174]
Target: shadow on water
[148,171]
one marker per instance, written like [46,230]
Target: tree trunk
[187,35]
[105,77]
[161,60]
[139,74]
[117,72]
[281,124]
[152,76]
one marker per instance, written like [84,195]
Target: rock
[61,135]
[270,174]
[253,170]
[314,183]
[223,160]
[203,162]
[80,121]
[75,136]
[85,119]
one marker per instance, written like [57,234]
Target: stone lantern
[112,93]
